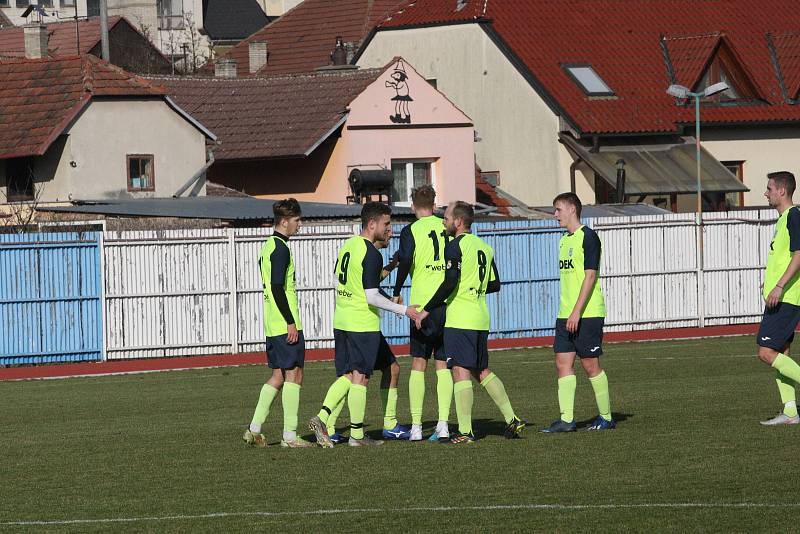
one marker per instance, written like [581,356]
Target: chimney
[350,47]
[339,54]
[35,41]
[225,68]
[258,55]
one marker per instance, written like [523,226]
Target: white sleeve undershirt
[374,298]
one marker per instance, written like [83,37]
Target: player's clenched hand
[422,316]
[412,312]
[291,334]
[774,297]
[572,322]
[398,299]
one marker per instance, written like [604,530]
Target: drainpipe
[572,168]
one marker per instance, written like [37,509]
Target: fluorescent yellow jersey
[579,251]
[358,268]
[474,261]
[277,274]
[422,245]
[785,242]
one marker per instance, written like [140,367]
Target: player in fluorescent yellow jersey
[581,314]
[421,254]
[471,274]
[282,327]
[782,296]
[356,323]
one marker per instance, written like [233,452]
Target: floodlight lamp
[716,88]
[678,91]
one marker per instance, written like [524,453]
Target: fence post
[701,291]
[232,300]
[101,243]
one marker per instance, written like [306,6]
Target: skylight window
[588,80]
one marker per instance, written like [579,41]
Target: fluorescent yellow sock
[268,394]
[497,391]
[357,404]
[291,404]
[601,395]
[788,396]
[331,422]
[787,367]
[566,397]
[336,393]
[389,401]
[416,395]
[444,392]
[463,394]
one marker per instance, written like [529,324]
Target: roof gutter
[194,122]
[327,134]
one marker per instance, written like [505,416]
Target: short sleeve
[406,252]
[793,225]
[372,265]
[591,249]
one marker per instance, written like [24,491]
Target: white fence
[190,292]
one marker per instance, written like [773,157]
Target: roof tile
[40,96]
[620,39]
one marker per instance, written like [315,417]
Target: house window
[170,14]
[588,80]
[92,8]
[45,3]
[23,3]
[4,3]
[19,179]
[735,200]
[67,3]
[141,173]
[407,176]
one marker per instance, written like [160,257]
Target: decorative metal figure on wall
[399,81]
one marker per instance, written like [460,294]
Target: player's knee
[767,355]
[394,370]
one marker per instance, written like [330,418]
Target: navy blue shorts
[587,342]
[360,351]
[778,325]
[385,355]
[466,348]
[281,355]
[429,341]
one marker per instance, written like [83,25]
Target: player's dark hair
[285,209]
[463,210]
[372,211]
[783,179]
[570,198]
[423,196]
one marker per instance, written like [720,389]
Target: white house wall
[106,132]
[763,150]
[518,131]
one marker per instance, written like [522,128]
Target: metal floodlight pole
[106,54]
[679,91]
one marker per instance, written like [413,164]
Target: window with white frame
[170,14]
[67,3]
[408,175]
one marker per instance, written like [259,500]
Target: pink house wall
[438,131]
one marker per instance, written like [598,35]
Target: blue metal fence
[50,298]
[526,253]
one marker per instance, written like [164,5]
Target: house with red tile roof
[128,48]
[566,95]
[304,135]
[305,37]
[78,128]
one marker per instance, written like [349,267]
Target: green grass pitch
[163,452]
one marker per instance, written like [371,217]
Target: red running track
[146,365]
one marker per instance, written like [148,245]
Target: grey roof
[233,20]
[613,210]
[226,208]
[657,169]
